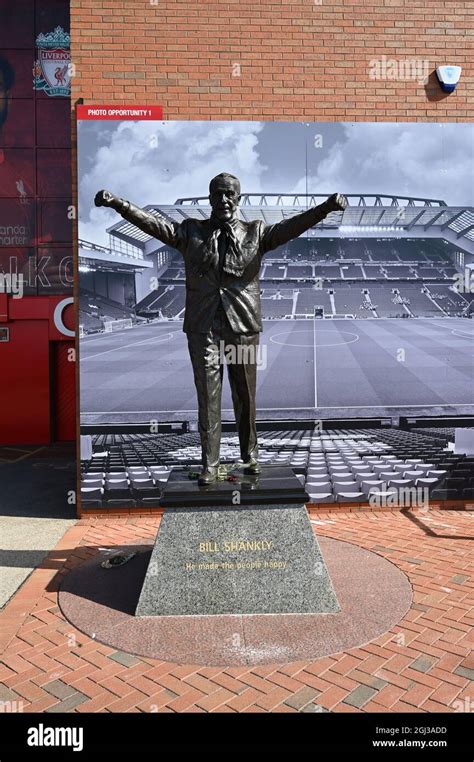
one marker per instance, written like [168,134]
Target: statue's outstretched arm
[282,232]
[167,231]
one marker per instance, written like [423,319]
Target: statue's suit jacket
[240,296]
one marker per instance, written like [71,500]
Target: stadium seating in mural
[335,465]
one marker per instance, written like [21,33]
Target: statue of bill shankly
[222,259]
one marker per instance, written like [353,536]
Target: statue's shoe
[252,467]
[208,475]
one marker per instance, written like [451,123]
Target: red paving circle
[423,664]
[373,593]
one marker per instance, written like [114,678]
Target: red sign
[119,112]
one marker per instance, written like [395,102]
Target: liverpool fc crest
[52,70]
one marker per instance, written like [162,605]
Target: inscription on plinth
[249,560]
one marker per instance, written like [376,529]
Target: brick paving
[424,664]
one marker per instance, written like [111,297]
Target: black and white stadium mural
[366,315]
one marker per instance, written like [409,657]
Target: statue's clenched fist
[337,202]
[104,198]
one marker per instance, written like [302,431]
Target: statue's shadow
[117,588]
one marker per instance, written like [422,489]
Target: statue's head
[224,196]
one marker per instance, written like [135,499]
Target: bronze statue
[222,259]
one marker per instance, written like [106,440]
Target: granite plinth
[253,559]
[275,484]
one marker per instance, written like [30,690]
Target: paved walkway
[424,664]
[36,508]
[25,543]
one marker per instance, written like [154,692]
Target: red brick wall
[299,59]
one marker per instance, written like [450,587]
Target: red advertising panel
[37,376]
